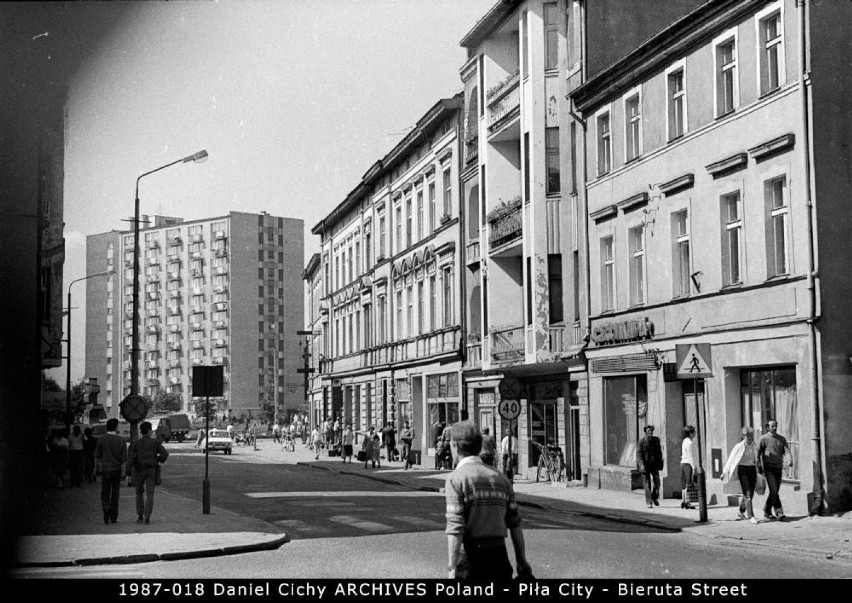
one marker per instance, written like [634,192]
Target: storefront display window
[770,394]
[443,402]
[625,417]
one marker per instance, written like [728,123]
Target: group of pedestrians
[749,462]
[71,453]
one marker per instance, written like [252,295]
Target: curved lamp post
[134,348]
[68,343]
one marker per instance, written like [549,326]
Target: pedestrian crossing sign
[693,361]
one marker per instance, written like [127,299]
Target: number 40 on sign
[510,409]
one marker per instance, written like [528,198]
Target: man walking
[111,453]
[770,452]
[480,508]
[649,460]
[146,454]
[389,440]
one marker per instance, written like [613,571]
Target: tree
[202,409]
[267,413]
[165,403]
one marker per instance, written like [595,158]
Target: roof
[311,268]
[433,117]
[661,49]
[488,23]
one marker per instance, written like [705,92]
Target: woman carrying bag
[743,461]
[687,464]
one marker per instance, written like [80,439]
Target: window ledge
[769,93]
[679,298]
[777,277]
[726,114]
[632,159]
[732,286]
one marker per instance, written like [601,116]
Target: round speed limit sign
[510,409]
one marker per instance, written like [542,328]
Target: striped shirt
[480,501]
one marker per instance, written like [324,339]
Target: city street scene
[499,299]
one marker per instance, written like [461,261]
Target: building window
[604,144]
[525,50]
[382,237]
[637,265]
[769,394]
[554,284]
[727,84]
[409,222]
[409,318]
[447,278]
[381,319]
[420,307]
[551,38]
[448,193]
[771,50]
[732,229]
[420,214]
[399,331]
[398,216]
[676,103]
[633,127]
[775,192]
[432,210]
[680,255]
[625,417]
[607,274]
[551,145]
[433,303]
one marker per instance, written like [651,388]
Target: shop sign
[627,330]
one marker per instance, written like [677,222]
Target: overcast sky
[292,99]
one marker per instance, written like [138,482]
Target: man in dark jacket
[389,440]
[111,453]
[146,454]
[649,460]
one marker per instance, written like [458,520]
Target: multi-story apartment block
[717,165]
[220,291]
[389,296]
[525,235]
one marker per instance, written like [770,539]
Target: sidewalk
[74,534]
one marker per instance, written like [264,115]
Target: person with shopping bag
[687,465]
[743,461]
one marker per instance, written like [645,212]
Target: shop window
[625,417]
[769,394]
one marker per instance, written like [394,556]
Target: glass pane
[778,223]
[620,417]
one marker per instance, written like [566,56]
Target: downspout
[816,505]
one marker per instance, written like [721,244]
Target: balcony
[443,341]
[153,244]
[197,361]
[197,238]
[174,380]
[220,289]
[197,326]
[219,235]
[174,363]
[471,149]
[504,103]
[174,276]
[174,328]
[473,253]
[153,382]
[174,310]
[197,345]
[153,295]
[220,343]
[151,312]
[221,306]
[507,344]
[220,360]
[174,259]
[220,324]
[474,354]
[220,270]
[153,329]
[174,345]
[196,255]
[220,253]
[198,290]
[507,224]
[174,293]
[176,240]
[153,261]
[153,278]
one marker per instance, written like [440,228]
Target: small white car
[218,439]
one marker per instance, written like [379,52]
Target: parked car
[218,439]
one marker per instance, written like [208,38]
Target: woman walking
[743,461]
[687,464]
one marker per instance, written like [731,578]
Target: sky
[293,100]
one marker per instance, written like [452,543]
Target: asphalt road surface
[345,526]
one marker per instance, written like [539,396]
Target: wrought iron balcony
[507,344]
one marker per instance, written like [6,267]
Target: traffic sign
[511,389]
[133,408]
[694,360]
[509,409]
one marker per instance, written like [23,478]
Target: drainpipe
[813,275]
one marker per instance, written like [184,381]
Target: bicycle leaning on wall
[551,463]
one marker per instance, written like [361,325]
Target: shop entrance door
[542,426]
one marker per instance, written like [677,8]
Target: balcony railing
[506,227]
[471,149]
[507,344]
[504,102]
[438,342]
[473,255]
[474,354]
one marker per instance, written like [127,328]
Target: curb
[174,556]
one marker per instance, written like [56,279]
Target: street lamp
[134,347]
[68,344]
[274,330]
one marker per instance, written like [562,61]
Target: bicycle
[550,463]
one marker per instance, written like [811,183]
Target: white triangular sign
[693,363]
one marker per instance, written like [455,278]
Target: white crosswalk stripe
[350,494]
[420,522]
[301,527]
[368,526]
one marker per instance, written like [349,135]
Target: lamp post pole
[134,343]
[68,344]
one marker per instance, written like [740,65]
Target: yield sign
[693,361]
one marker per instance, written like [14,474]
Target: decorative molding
[406,188]
[687,180]
[633,202]
[773,146]
[730,163]
[430,169]
[604,213]
[445,156]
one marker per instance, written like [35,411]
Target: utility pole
[307,370]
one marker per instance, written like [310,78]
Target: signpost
[509,408]
[694,361]
[133,409]
[207,381]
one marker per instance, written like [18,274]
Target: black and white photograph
[498,300]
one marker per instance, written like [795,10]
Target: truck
[175,425]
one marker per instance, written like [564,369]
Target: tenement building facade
[716,220]
[219,291]
[389,297]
